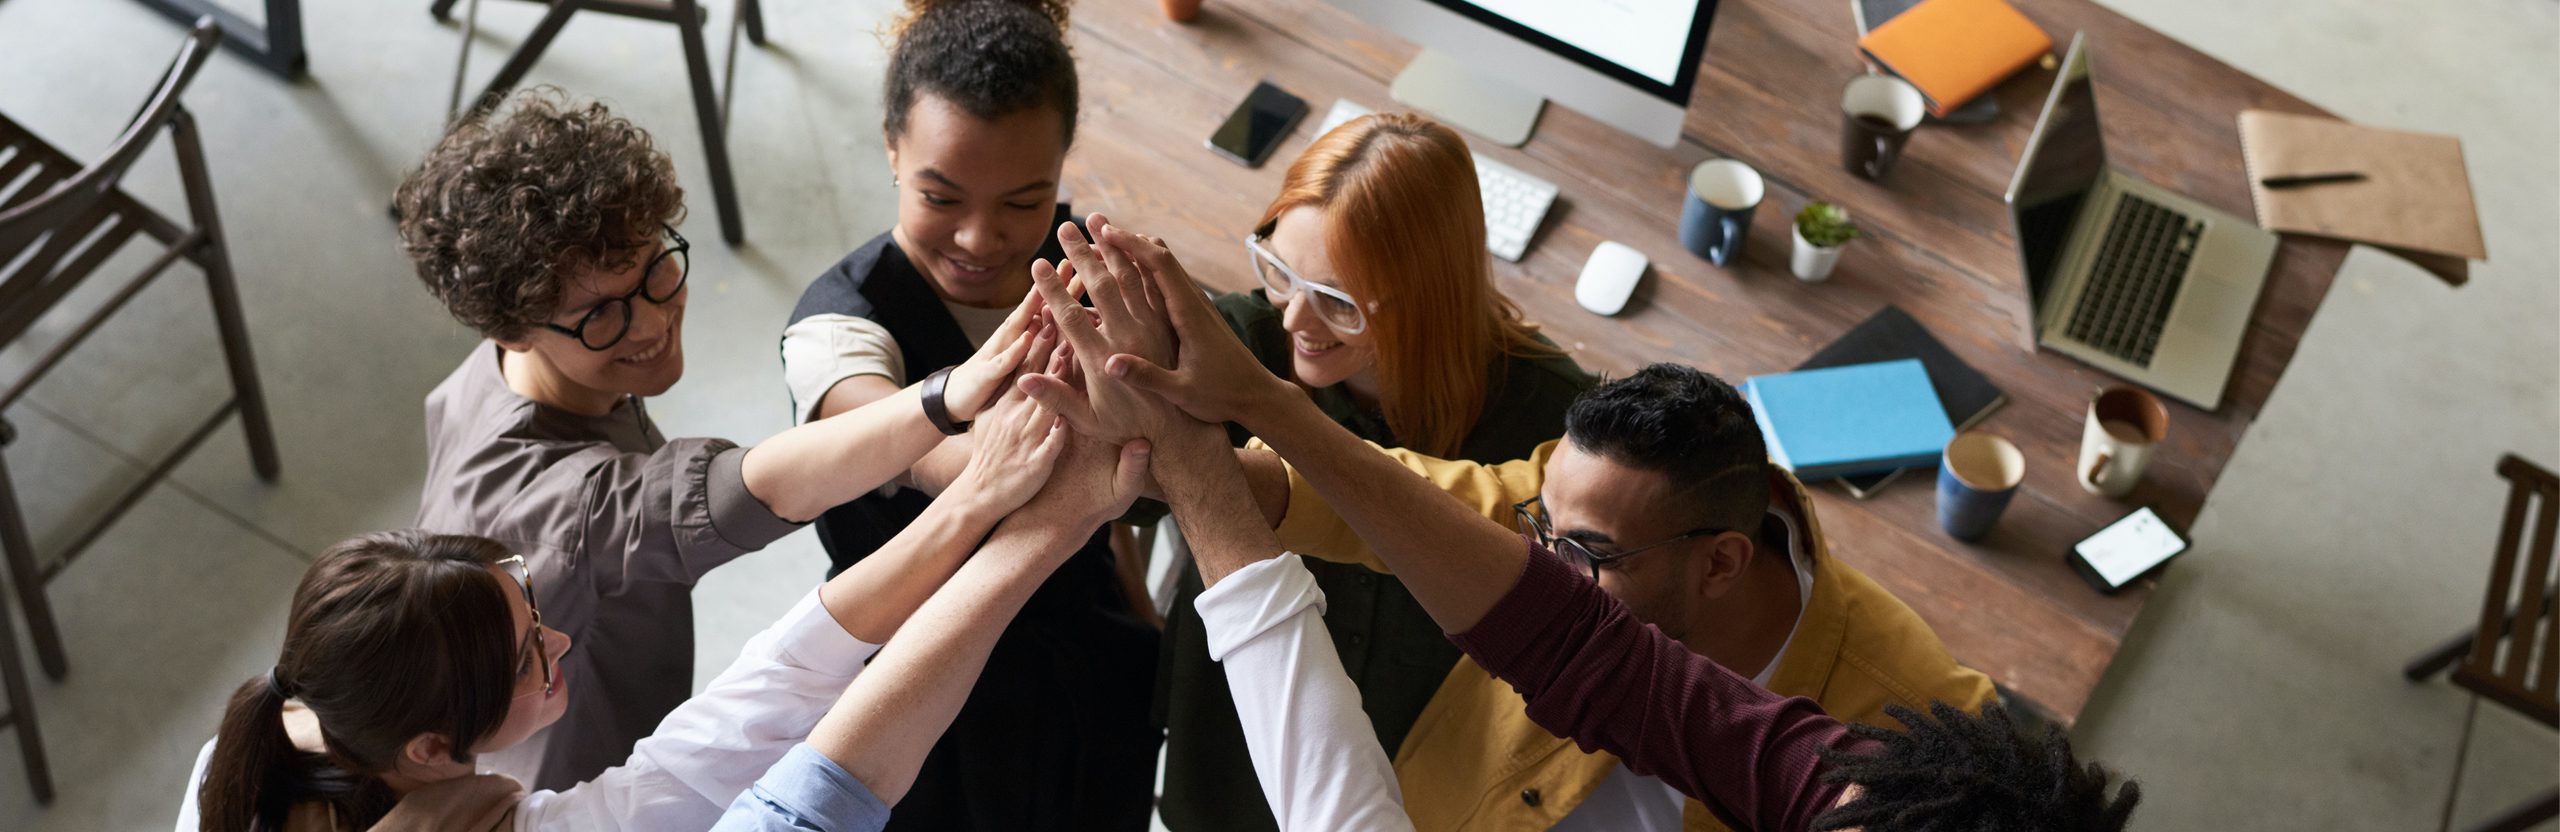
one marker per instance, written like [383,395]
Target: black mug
[1878,113]
[1716,217]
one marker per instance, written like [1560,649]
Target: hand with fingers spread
[1212,377]
[1094,482]
[1126,317]
[1018,444]
[976,382]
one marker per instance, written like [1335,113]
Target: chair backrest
[54,221]
[2518,663]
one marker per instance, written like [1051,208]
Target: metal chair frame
[709,106]
[2513,656]
[60,221]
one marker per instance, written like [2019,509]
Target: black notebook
[1890,334]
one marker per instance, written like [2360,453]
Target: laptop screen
[2062,162]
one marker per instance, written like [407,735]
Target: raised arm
[1456,561]
[882,728]
[802,472]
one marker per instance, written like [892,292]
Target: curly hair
[1962,773]
[991,57]
[509,206]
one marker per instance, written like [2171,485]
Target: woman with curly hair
[550,229]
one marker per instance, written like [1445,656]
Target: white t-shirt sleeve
[1312,747]
[187,810]
[712,747]
[820,350]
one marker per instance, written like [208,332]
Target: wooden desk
[1937,243]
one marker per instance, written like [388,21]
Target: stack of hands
[1148,373]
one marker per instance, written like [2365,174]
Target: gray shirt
[616,523]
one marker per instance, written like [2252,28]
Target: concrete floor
[2260,691]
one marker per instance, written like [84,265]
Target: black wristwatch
[935,410]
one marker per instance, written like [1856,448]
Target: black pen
[2281,182]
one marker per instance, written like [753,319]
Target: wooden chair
[60,221]
[2513,657]
[687,15]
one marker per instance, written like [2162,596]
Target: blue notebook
[1850,420]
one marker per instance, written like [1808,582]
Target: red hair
[1406,229]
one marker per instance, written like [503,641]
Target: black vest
[1058,733]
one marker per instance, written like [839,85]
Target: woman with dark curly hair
[549,228]
[981,109]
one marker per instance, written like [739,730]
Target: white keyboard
[1514,202]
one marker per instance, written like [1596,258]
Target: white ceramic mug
[2126,424]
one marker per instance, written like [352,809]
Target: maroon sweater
[1593,673]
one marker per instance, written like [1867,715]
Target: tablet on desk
[2126,550]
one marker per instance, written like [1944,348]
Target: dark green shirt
[1391,648]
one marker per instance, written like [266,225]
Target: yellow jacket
[1474,761]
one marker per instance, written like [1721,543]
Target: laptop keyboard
[2140,265]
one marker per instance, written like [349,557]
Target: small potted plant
[1821,229]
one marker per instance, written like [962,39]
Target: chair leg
[2461,750]
[2436,660]
[531,51]
[215,257]
[2524,815]
[22,704]
[29,580]
[706,108]
[750,11]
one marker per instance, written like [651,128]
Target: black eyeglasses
[530,650]
[606,322]
[1574,553]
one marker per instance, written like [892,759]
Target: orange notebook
[1954,50]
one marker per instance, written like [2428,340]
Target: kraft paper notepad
[2414,201]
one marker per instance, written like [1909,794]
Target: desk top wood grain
[1937,243]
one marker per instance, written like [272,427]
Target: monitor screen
[2061,164]
[1651,44]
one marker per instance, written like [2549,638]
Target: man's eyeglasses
[606,322]
[1574,553]
[530,650]
[1335,306]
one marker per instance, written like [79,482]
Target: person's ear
[889,145]
[1721,566]
[515,345]
[427,750]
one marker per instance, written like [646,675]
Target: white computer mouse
[1609,277]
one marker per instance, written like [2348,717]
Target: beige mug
[2125,425]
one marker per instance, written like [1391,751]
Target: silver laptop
[2123,274]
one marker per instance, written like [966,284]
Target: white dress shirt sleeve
[714,745]
[1312,747]
[820,350]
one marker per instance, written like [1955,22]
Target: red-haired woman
[1378,298]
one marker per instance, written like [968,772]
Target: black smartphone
[1258,124]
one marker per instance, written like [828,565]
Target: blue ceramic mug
[1716,217]
[1978,475]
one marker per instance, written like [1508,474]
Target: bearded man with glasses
[1662,492]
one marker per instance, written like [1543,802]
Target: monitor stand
[1447,88]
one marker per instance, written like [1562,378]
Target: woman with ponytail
[981,100]
[408,655]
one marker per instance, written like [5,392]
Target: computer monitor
[1489,66]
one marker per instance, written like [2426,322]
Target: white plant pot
[1812,263]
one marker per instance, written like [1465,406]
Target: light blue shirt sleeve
[806,791]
